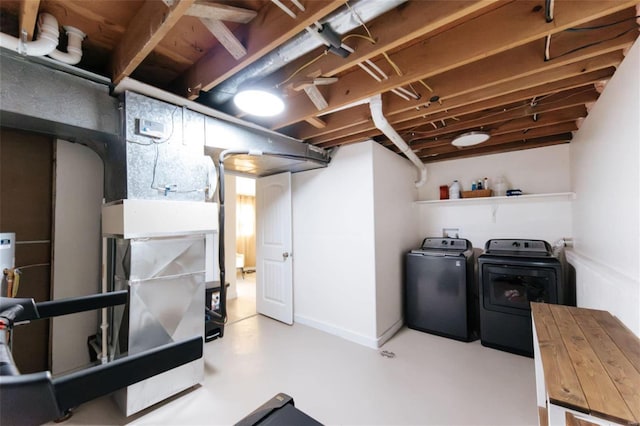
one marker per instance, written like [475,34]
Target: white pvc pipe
[74,47]
[45,44]
[380,121]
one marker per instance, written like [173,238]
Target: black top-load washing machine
[441,295]
[512,273]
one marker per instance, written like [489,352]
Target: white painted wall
[396,220]
[535,171]
[76,266]
[605,164]
[334,248]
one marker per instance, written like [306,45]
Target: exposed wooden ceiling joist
[507,147]
[220,12]
[337,122]
[487,89]
[263,34]
[554,101]
[464,65]
[28,16]
[444,147]
[519,22]
[391,30]
[152,22]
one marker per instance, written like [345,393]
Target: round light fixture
[470,139]
[260,102]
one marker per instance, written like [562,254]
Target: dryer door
[509,289]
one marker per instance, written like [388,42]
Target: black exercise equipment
[279,410]
[33,399]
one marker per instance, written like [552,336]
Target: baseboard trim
[390,332]
[370,342]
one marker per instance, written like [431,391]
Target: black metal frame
[32,399]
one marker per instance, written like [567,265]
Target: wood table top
[591,361]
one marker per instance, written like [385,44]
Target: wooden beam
[316,97]
[544,79]
[444,147]
[152,22]
[507,147]
[225,37]
[221,12]
[399,26]
[263,35]
[497,124]
[316,122]
[525,74]
[517,23]
[563,99]
[28,16]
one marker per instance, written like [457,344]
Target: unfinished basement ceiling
[527,72]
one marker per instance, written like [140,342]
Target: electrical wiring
[355,14]
[547,46]
[549,10]
[593,44]
[296,72]
[395,67]
[425,85]
[369,39]
[597,27]
[533,102]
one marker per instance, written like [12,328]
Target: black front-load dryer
[441,295]
[512,273]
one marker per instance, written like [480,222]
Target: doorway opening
[244,305]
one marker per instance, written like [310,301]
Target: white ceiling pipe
[381,123]
[45,44]
[74,47]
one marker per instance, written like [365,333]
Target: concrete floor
[430,381]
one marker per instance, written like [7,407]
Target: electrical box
[152,129]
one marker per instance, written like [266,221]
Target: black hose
[223,286]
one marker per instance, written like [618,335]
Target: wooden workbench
[587,367]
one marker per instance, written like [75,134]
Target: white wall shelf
[558,196]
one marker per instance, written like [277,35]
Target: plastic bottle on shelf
[485,184]
[500,186]
[474,186]
[454,190]
[479,186]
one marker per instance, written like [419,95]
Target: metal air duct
[341,21]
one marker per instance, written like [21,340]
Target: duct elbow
[74,47]
[423,176]
[381,123]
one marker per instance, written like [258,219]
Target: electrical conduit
[381,123]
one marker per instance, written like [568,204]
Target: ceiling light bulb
[470,139]
[259,102]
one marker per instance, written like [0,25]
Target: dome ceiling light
[259,101]
[470,139]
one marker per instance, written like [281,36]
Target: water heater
[7,257]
